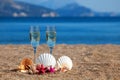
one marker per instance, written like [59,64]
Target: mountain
[76,10]
[54,4]
[9,8]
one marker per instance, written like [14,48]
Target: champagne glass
[51,37]
[34,38]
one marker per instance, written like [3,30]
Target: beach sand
[90,62]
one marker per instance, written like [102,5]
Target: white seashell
[46,59]
[64,62]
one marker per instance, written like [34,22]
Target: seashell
[64,62]
[46,59]
[32,69]
[25,63]
[24,71]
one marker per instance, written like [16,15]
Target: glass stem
[34,54]
[51,48]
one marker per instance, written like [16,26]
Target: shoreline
[64,44]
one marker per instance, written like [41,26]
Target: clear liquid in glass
[51,38]
[35,37]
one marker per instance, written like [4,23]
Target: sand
[90,62]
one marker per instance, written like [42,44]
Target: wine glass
[34,38]
[51,37]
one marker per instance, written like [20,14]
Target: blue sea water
[67,32]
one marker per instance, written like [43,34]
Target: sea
[68,30]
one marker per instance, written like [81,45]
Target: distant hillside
[75,10]
[9,8]
[54,4]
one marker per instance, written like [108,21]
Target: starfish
[52,70]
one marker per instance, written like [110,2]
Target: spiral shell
[25,63]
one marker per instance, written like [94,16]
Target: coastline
[94,62]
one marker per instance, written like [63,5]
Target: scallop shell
[64,62]
[46,59]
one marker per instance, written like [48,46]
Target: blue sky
[96,5]
[102,5]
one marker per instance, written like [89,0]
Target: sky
[102,5]
[96,5]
